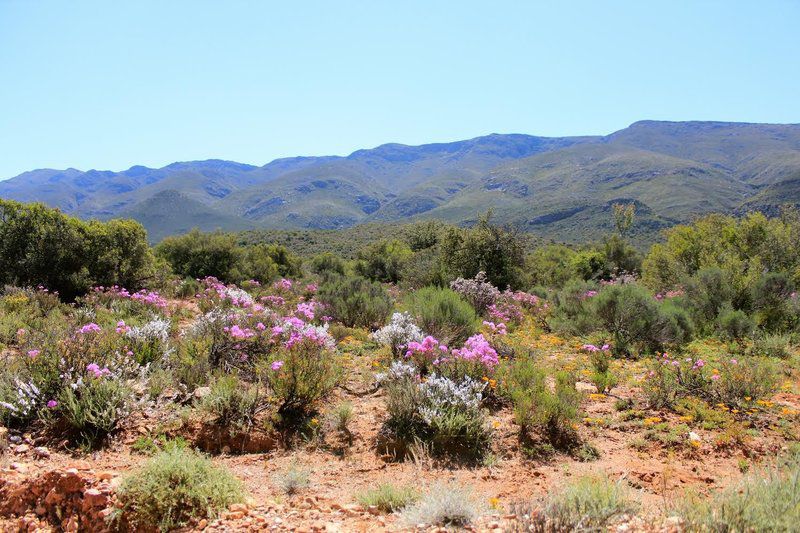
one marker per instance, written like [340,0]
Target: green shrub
[231,403]
[602,378]
[734,324]
[302,375]
[383,260]
[773,345]
[443,505]
[709,293]
[42,246]
[327,263]
[355,301]
[572,312]
[174,487]
[588,504]
[552,413]
[636,320]
[498,251]
[388,498]
[771,294]
[93,410]
[768,501]
[443,313]
[198,255]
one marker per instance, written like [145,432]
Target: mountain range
[560,188]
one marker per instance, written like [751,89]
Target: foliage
[443,505]
[388,498]
[292,480]
[327,263]
[398,333]
[355,301]
[764,501]
[477,291]
[443,313]
[41,246]
[174,487]
[383,260]
[587,504]
[92,411]
[498,251]
[231,402]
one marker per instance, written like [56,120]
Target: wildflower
[52,404]
[714,377]
[20,332]
[276,365]
[89,328]
[122,328]
[33,353]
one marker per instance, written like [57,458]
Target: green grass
[388,498]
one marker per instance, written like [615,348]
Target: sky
[108,85]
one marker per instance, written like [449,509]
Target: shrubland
[453,332]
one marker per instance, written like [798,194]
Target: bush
[92,411]
[231,402]
[444,505]
[42,246]
[302,374]
[572,311]
[398,333]
[537,408]
[477,291]
[709,294]
[383,260]
[292,480]
[769,501]
[443,314]
[355,301]
[637,322]
[443,413]
[588,504]
[388,498]
[773,345]
[174,487]
[732,382]
[497,251]
[550,266]
[199,255]
[327,263]
[734,324]
[771,295]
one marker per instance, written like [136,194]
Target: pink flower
[734,362]
[20,332]
[89,328]
[590,348]
[605,347]
[52,404]
[714,377]
[276,365]
[33,353]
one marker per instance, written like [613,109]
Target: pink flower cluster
[669,294]
[91,327]
[505,311]
[497,329]
[282,284]
[144,296]
[476,348]
[237,332]
[273,300]
[96,371]
[307,309]
[122,327]
[589,294]
[593,348]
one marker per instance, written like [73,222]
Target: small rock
[19,467]
[202,392]
[22,448]
[202,524]
[105,476]
[239,508]
[42,451]
[373,510]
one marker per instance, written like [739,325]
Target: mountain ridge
[560,187]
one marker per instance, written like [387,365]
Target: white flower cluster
[445,395]
[25,402]
[477,291]
[398,371]
[400,331]
[155,329]
[213,320]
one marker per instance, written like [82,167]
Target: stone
[105,475]
[202,524]
[22,448]
[238,507]
[42,451]
[94,498]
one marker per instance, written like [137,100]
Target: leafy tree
[383,260]
[499,251]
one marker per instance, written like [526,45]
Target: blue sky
[110,84]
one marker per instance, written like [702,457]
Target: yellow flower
[314,421]
[651,421]
[495,424]
[494,503]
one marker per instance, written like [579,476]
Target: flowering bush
[303,370]
[730,382]
[477,291]
[443,412]
[398,333]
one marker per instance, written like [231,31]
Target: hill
[560,188]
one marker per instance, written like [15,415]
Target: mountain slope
[561,188]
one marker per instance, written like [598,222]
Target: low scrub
[174,487]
